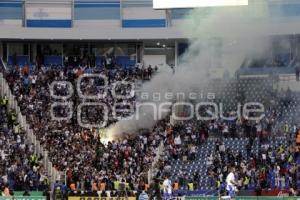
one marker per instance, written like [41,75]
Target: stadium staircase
[52,173]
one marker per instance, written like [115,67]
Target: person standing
[155,191]
[167,185]
[231,184]
[143,196]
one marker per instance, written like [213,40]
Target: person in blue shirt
[143,196]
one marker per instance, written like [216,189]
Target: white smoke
[220,40]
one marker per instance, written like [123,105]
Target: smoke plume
[220,39]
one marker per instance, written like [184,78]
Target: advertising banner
[101,198]
[23,198]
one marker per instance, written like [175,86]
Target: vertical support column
[1,85]
[72,12]
[142,53]
[89,48]
[168,18]
[1,50]
[176,53]
[136,53]
[297,49]
[7,51]
[139,56]
[28,50]
[291,48]
[62,53]
[34,52]
[24,21]
[121,13]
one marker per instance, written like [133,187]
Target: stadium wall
[48,15]
[11,13]
[97,10]
[140,14]
[115,19]
[97,14]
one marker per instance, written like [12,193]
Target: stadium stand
[233,142]
[264,152]
[20,167]
[58,58]
[93,160]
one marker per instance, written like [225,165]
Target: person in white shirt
[222,148]
[177,141]
[167,185]
[231,183]
[210,160]
[264,158]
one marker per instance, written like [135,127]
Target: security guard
[246,182]
[4,101]
[58,194]
[191,186]
[280,149]
[33,160]
[116,185]
[46,182]
[17,128]
[12,119]
[218,184]
[155,190]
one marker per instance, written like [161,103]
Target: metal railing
[3,64]
[52,173]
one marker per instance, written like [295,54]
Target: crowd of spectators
[87,159]
[91,165]
[20,167]
[269,168]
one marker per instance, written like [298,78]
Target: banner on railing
[101,198]
[23,198]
